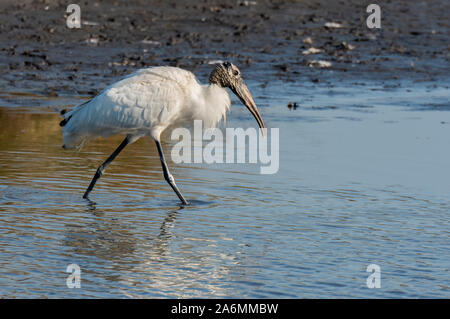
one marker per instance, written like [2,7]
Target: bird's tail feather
[72,136]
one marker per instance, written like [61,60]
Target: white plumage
[146,103]
[150,101]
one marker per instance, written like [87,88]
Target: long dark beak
[242,92]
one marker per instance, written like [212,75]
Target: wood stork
[150,101]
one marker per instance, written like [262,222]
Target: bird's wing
[152,88]
[139,101]
[157,93]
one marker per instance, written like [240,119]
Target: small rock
[307,40]
[283,67]
[311,51]
[319,64]
[333,25]
[292,105]
[150,42]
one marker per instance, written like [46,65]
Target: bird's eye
[236,73]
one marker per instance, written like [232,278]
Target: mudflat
[288,40]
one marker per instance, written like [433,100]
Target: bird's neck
[217,103]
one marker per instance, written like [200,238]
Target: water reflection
[31,152]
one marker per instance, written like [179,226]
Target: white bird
[150,101]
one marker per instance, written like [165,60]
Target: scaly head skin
[228,75]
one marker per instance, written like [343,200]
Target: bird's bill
[244,95]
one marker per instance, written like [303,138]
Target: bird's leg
[169,178]
[102,167]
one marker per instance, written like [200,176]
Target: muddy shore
[267,39]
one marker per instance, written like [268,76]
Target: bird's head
[228,75]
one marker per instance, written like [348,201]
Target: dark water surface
[363,179]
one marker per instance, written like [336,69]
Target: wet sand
[266,39]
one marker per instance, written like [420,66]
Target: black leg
[169,178]
[102,167]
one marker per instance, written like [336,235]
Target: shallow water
[363,179]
